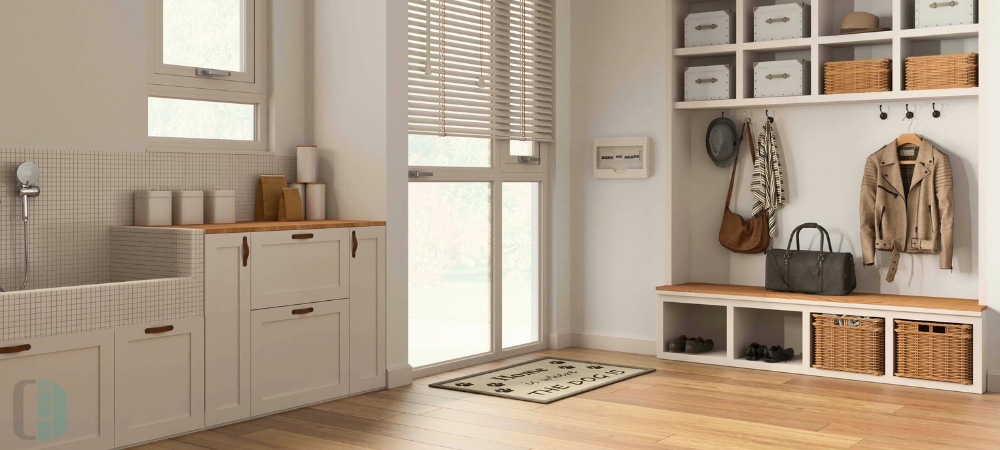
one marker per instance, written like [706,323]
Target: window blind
[482,68]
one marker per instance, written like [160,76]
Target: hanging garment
[913,217]
[768,183]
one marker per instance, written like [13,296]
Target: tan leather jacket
[922,222]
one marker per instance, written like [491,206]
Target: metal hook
[882,114]
[909,114]
[936,114]
[767,114]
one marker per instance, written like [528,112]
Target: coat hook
[936,114]
[770,118]
[882,114]
[909,114]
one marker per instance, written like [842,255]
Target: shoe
[677,345]
[754,352]
[698,345]
[778,354]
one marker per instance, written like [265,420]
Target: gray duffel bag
[809,272]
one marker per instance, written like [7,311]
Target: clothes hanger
[909,139]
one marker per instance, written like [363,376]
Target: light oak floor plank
[681,406]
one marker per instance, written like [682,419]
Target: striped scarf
[768,183]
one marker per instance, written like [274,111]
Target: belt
[893,264]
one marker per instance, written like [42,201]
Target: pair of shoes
[755,352]
[778,354]
[678,345]
[698,345]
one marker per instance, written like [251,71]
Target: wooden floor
[680,406]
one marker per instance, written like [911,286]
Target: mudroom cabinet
[292,317]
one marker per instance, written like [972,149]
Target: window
[206,75]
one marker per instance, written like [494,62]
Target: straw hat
[860,22]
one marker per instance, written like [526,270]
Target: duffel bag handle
[822,233]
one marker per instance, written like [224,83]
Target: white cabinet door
[295,267]
[227,328]
[367,309]
[300,355]
[159,380]
[58,392]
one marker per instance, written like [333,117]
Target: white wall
[619,230]
[349,105]
[74,75]
[824,149]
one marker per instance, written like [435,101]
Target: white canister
[189,207]
[152,208]
[315,201]
[302,193]
[306,159]
[220,206]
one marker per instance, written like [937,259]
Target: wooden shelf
[950,305]
[249,227]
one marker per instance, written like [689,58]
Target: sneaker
[677,345]
[699,346]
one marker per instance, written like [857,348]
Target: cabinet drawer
[295,267]
[159,380]
[300,355]
[61,390]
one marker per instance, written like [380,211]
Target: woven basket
[942,71]
[839,346]
[846,77]
[934,351]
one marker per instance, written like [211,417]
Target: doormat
[543,380]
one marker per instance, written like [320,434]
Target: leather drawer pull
[302,236]
[778,19]
[15,349]
[706,80]
[354,244]
[706,27]
[246,251]
[778,75]
[158,330]
[940,4]
[299,312]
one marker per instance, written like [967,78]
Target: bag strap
[744,131]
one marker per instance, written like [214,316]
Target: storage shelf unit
[823,46]
[750,314]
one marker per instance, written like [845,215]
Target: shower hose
[25,281]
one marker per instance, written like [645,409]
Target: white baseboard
[560,340]
[615,343]
[993,381]
[399,376]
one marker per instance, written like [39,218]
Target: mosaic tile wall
[83,193]
[175,258]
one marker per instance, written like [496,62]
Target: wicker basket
[934,351]
[942,71]
[845,77]
[849,344]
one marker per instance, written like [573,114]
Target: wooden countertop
[859,298]
[249,227]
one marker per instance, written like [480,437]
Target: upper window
[206,73]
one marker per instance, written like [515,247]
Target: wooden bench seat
[857,298]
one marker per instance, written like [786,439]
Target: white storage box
[709,28]
[152,208]
[781,78]
[938,13]
[220,206]
[188,207]
[787,21]
[710,82]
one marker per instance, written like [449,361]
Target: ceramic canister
[315,201]
[302,193]
[306,159]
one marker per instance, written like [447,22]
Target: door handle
[354,244]
[246,251]
[158,330]
[299,312]
[302,236]
[15,349]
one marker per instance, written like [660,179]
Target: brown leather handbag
[736,234]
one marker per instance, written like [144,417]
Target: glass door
[475,251]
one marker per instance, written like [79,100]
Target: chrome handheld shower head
[28,173]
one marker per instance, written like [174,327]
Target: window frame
[180,82]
